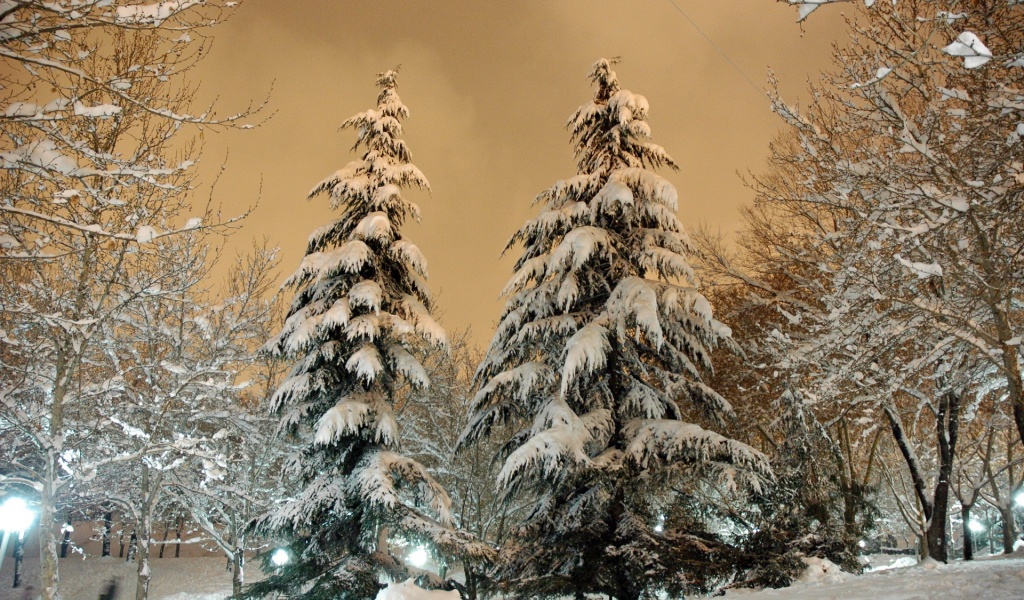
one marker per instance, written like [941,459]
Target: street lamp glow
[280,557]
[418,557]
[975,526]
[15,516]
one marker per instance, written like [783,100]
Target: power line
[719,49]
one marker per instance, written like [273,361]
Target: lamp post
[15,517]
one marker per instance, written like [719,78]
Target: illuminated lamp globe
[280,557]
[15,516]
[418,557]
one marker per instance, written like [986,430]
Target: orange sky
[489,86]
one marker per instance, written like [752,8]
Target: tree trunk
[1006,512]
[177,545]
[238,573]
[163,542]
[1018,418]
[965,516]
[1014,383]
[470,581]
[988,526]
[108,524]
[625,587]
[947,426]
[50,578]
[900,437]
[937,546]
[145,533]
[133,545]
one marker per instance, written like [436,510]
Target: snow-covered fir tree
[361,303]
[599,356]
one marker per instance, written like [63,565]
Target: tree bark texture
[965,516]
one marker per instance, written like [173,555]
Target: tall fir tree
[599,355]
[360,306]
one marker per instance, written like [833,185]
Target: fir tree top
[361,286]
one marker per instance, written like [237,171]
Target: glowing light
[280,557]
[658,528]
[975,526]
[15,516]
[418,557]
[862,544]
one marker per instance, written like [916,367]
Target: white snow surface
[194,578]
[407,590]
[998,578]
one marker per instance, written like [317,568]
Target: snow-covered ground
[173,578]
[996,578]
[199,574]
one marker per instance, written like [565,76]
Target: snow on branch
[367,293]
[152,14]
[521,380]
[676,441]
[374,226]
[970,47]
[365,363]
[143,235]
[408,365]
[354,414]
[383,473]
[922,270]
[585,352]
[806,7]
[559,438]
[347,258]
[578,246]
[651,186]
[410,253]
[633,297]
[424,321]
